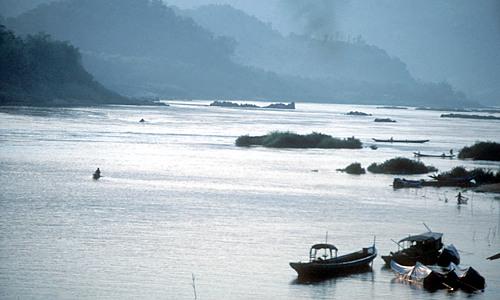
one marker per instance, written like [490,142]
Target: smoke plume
[314,18]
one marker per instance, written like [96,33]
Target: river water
[178,198]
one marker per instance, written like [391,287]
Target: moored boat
[433,278]
[399,183]
[470,280]
[419,274]
[329,264]
[424,248]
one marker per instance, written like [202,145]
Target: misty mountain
[453,40]
[12,8]
[457,41]
[141,47]
[353,68]
[40,71]
[260,46]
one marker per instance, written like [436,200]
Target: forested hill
[140,46]
[40,71]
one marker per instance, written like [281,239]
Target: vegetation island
[285,139]
[353,169]
[457,109]
[480,175]
[384,120]
[465,116]
[481,151]
[400,165]
[358,113]
[247,105]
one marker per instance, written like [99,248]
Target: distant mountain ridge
[260,46]
[142,47]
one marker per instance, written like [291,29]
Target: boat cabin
[426,241]
[328,252]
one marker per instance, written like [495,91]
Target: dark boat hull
[401,141]
[433,155]
[345,264]
[472,281]
[448,255]
[406,259]
[399,183]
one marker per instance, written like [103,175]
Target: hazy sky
[453,40]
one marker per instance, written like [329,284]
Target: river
[178,199]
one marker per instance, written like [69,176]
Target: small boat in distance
[391,140]
[443,155]
[97,174]
[329,264]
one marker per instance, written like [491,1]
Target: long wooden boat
[399,141]
[399,183]
[418,154]
[330,264]
[493,257]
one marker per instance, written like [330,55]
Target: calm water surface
[177,198]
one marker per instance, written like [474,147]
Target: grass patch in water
[400,165]
[286,139]
[481,151]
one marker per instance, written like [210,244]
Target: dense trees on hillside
[39,70]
